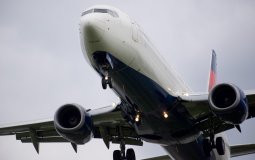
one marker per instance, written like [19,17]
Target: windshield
[99,10]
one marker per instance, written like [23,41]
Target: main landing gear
[121,155]
[209,144]
[106,80]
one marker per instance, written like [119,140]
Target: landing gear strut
[122,155]
[211,143]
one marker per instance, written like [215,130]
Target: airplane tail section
[213,72]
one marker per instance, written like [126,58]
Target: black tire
[220,145]
[131,154]
[207,147]
[104,84]
[117,155]
[110,82]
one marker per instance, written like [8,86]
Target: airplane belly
[189,151]
[145,95]
[194,150]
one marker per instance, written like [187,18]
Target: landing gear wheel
[110,82]
[207,147]
[220,145]
[104,83]
[117,155]
[130,154]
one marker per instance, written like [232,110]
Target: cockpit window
[98,10]
[87,12]
[113,13]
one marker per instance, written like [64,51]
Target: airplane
[156,105]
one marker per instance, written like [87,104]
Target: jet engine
[229,103]
[73,123]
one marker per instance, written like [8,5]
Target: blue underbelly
[139,91]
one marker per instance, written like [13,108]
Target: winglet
[213,72]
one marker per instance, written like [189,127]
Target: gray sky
[42,66]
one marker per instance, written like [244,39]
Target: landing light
[137,118]
[114,104]
[165,114]
[186,94]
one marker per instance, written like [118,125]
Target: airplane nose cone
[92,29]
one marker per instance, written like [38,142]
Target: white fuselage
[123,38]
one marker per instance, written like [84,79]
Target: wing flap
[39,133]
[44,140]
[240,150]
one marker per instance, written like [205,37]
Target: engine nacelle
[73,123]
[229,103]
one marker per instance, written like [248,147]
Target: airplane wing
[240,150]
[108,122]
[251,102]
[198,106]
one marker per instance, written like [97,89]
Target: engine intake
[73,123]
[229,103]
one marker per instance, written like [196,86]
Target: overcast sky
[42,66]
